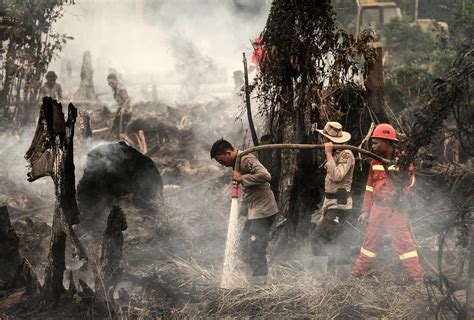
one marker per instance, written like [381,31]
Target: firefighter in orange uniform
[382,208]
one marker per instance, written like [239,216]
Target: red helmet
[257,54]
[384,131]
[257,40]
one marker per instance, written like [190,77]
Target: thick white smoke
[139,39]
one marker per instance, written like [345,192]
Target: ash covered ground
[174,245]
[149,168]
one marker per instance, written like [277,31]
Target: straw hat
[333,131]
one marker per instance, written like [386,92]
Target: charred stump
[14,271]
[53,283]
[111,251]
[9,248]
[85,125]
[52,154]
[86,87]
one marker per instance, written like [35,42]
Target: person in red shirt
[381,207]
[257,54]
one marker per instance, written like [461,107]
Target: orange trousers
[382,220]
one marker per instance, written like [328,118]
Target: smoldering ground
[184,238]
[174,250]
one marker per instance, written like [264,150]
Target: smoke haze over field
[177,45]
[139,38]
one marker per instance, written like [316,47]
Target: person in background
[51,88]
[123,114]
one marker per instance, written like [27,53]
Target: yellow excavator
[373,14]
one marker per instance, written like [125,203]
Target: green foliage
[416,57]
[306,52]
[408,43]
[407,86]
[462,30]
[346,14]
[30,43]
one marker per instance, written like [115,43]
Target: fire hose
[309,147]
[233,235]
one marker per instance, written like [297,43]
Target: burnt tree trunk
[111,251]
[9,254]
[54,272]
[52,154]
[374,86]
[298,85]
[298,192]
[66,211]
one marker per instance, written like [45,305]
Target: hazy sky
[135,37]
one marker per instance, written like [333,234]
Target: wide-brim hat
[333,131]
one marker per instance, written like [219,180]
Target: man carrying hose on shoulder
[337,203]
[259,198]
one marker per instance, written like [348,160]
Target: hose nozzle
[235,189]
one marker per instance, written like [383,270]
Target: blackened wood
[9,248]
[53,283]
[111,250]
[52,154]
[374,87]
[25,277]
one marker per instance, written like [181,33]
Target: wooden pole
[247,101]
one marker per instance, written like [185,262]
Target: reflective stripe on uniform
[367,253]
[412,182]
[369,188]
[379,167]
[408,255]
